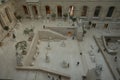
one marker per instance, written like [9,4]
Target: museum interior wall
[88,9]
[106,10]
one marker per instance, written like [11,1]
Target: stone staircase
[52,35]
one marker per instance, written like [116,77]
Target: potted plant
[22,46]
[53,15]
[65,15]
[6,28]
[74,20]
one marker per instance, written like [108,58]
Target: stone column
[90,12]
[103,12]
[31,12]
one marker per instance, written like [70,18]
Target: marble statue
[63,44]
[19,58]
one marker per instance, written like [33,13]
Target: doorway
[59,11]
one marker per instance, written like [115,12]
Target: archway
[71,10]
[47,10]
[59,11]
[25,10]
[34,9]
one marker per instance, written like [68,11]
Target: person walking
[78,63]
[14,37]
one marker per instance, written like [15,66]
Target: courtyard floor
[57,53]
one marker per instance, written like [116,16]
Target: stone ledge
[66,76]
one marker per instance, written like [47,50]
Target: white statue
[98,69]
[63,44]
[47,58]
[19,58]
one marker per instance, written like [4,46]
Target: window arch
[97,11]
[59,11]
[34,8]
[71,10]
[84,10]
[110,11]
[47,9]
[25,9]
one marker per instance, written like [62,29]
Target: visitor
[83,77]
[59,77]
[68,65]
[73,38]
[90,23]
[98,50]
[115,59]
[48,76]
[78,63]
[43,26]
[104,49]
[80,53]
[13,36]
[53,78]
[16,53]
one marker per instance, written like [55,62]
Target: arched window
[84,11]
[71,10]
[35,10]
[47,9]
[110,11]
[97,11]
[59,11]
[25,9]
[7,11]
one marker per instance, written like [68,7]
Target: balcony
[32,1]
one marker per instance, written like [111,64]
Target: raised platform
[108,58]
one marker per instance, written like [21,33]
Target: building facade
[88,9]
[103,10]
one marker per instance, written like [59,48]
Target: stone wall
[28,59]
[63,30]
[47,34]
[78,7]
